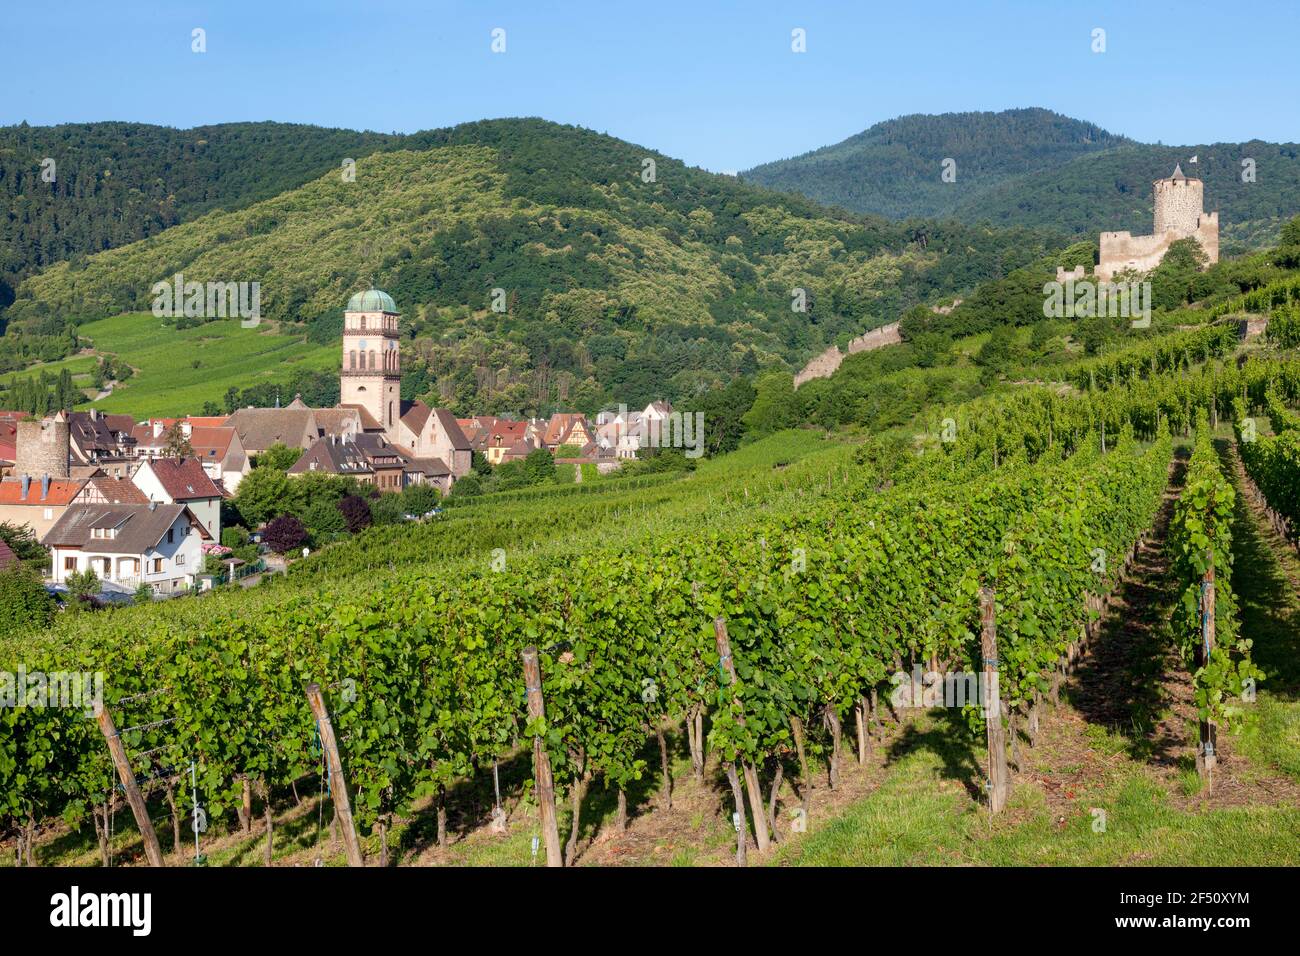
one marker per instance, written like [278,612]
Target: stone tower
[1180,214]
[1179,203]
[371,375]
[43,448]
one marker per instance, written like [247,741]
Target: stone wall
[825,364]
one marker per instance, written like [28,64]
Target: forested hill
[893,169]
[1032,167]
[616,288]
[114,183]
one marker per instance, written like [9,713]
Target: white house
[182,481]
[129,545]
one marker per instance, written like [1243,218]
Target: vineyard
[762,609]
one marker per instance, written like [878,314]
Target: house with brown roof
[102,489]
[567,428]
[502,437]
[160,545]
[182,481]
[260,428]
[218,446]
[434,433]
[37,502]
[370,459]
[104,441]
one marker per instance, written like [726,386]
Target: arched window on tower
[363,323]
[352,362]
[374,362]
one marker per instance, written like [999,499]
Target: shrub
[285,533]
[356,512]
[25,605]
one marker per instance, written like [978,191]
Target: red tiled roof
[118,491]
[211,442]
[62,491]
[184,479]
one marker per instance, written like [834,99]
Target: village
[133,509]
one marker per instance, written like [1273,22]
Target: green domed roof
[372,300]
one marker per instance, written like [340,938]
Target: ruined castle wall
[825,364]
[42,449]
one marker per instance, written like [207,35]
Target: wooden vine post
[998,774]
[1207,750]
[152,851]
[338,783]
[544,782]
[750,772]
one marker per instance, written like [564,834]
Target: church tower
[372,374]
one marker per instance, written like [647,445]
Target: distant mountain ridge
[613,289]
[1033,167]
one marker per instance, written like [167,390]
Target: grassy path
[1266,575]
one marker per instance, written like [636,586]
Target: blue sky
[713,82]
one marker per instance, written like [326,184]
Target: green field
[178,370]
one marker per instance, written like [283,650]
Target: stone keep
[43,448]
[1179,214]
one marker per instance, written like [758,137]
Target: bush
[417,499]
[356,512]
[467,487]
[284,534]
[324,520]
[25,605]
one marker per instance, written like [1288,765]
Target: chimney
[157,428]
[45,487]
[187,429]
[153,505]
[27,484]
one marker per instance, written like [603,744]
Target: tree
[324,520]
[143,594]
[262,493]
[284,534]
[25,605]
[175,444]
[417,499]
[539,466]
[356,512]
[479,464]
[22,541]
[279,456]
[467,487]
[1291,233]
[83,585]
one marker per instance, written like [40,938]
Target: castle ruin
[1179,214]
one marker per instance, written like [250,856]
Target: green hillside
[616,289]
[115,183]
[1037,168]
[893,169]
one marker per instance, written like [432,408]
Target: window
[48,514]
[157,565]
[180,557]
[70,563]
[171,535]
